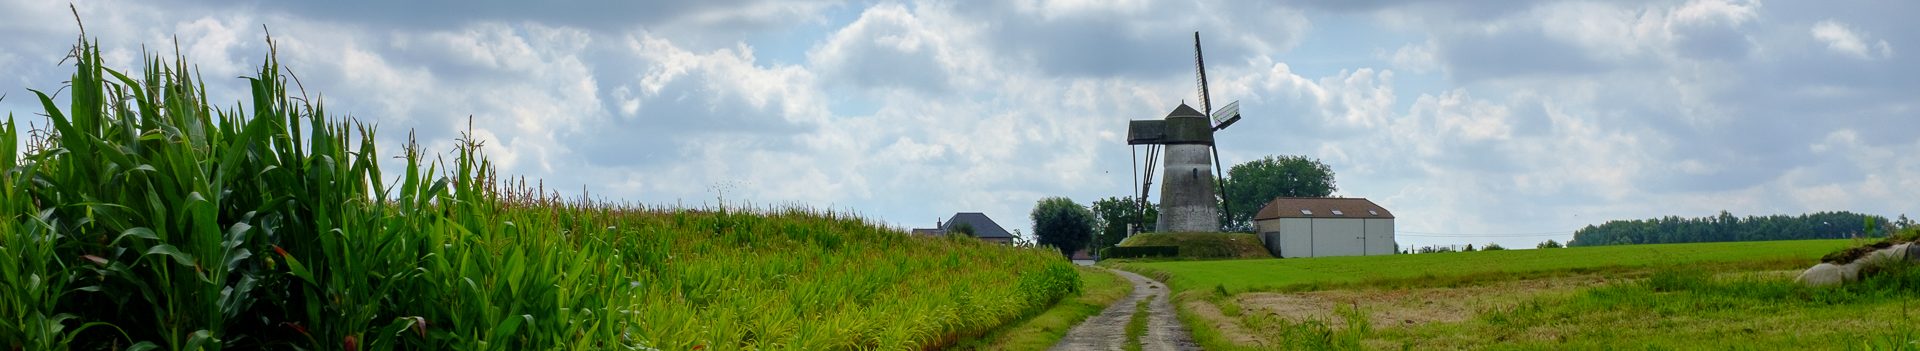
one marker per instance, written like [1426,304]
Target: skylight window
[1337,213]
[1372,212]
[1306,212]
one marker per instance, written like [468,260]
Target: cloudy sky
[1473,121]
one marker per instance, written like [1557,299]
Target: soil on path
[1108,330]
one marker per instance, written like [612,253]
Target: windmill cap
[1185,111]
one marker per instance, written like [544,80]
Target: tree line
[1726,227]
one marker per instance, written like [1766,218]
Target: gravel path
[1108,330]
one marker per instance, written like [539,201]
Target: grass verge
[1099,288]
[1137,325]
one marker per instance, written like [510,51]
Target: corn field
[143,218]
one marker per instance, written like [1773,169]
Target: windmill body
[1187,199]
[1183,141]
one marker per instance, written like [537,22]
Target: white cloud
[1417,58]
[1844,40]
[787,92]
[1717,11]
[890,46]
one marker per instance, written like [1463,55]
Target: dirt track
[1108,330]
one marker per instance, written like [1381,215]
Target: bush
[1204,245]
[1493,247]
[1140,251]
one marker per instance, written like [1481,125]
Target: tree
[1112,215]
[1549,244]
[1250,185]
[1493,247]
[1063,224]
[962,228]
[1725,227]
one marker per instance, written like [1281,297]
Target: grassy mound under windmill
[1203,245]
[146,219]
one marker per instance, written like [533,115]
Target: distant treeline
[1726,227]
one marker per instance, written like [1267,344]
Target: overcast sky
[1473,121]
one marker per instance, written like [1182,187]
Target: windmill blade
[1226,115]
[1232,109]
[1200,65]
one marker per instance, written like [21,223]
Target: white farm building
[1314,227]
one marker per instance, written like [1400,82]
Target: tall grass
[151,220]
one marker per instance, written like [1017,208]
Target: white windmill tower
[1189,199]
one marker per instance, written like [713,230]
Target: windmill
[1183,140]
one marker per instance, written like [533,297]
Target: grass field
[1439,268]
[147,219]
[1681,296]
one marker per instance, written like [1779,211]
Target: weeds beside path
[1107,331]
[1099,288]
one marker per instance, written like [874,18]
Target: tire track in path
[1107,331]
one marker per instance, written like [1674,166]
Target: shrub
[1140,251]
[1204,245]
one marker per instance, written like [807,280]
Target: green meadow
[1441,268]
[1736,295]
[147,218]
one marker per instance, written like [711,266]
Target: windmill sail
[1200,67]
[1226,115]
[1227,112]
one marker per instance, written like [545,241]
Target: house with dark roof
[983,228]
[1325,226]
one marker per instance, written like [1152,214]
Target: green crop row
[146,219]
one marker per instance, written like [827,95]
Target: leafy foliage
[153,221]
[1062,224]
[1549,244]
[1112,216]
[1251,185]
[1726,227]
[963,229]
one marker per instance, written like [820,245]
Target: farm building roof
[1321,207]
[983,227]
